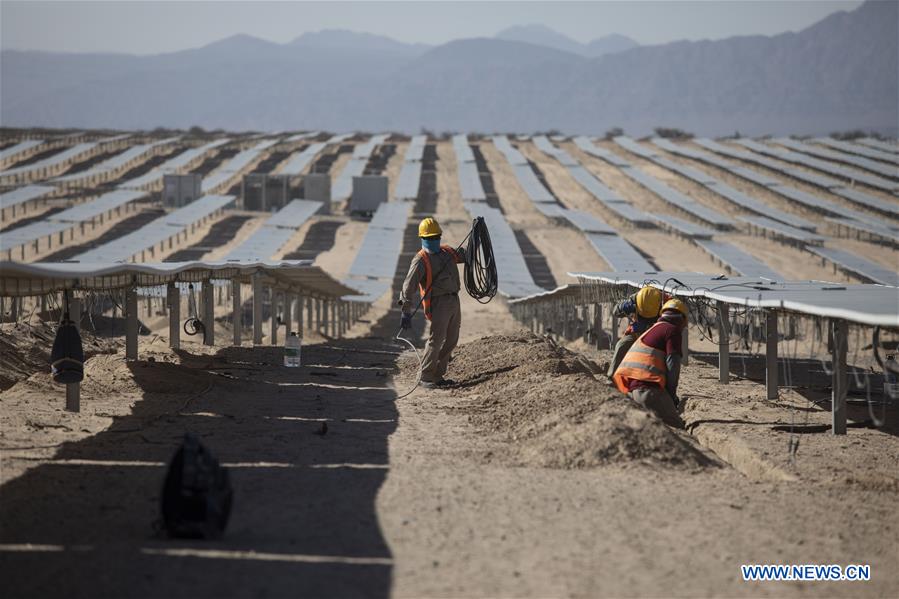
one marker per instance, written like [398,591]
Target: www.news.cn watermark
[816,572]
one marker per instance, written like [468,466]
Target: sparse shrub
[614,132]
[848,135]
[672,133]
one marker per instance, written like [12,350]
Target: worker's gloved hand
[406,321]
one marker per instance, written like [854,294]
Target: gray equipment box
[264,192]
[317,187]
[369,192]
[180,190]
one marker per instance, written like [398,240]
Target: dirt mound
[26,349]
[545,400]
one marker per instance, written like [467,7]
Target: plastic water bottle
[292,350]
[891,378]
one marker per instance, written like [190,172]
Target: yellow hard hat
[676,305]
[429,227]
[649,300]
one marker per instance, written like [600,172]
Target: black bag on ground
[67,355]
[196,495]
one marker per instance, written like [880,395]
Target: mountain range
[838,74]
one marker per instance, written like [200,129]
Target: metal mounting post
[723,343]
[257,309]
[771,373]
[173,299]
[131,324]
[273,307]
[208,313]
[840,332]
[236,312]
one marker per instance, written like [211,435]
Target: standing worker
[650,370]
[643,310]
[433,271]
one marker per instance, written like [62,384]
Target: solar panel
[89,210]
[391,215]
[888,147]
[514,157]
[22,146]
[265,242]
[782,230]
[115,164]
[370,289]
[343,185]
[861,149]
[612,158]
[416,149]
[173,165]
[843,173]
[235,165]
[629,213]
[294,214]
[551,210]
[470,183]
[678,199]
[547,147]
[868,201]
[878,229]
[586,222]
[462,149]
[636,148]
[592,184]
[21,195]
[62,157]
[737,260]
[683,227]
[298,162]
[867,164]
[618,253]
[409,181]
[155,232]
[686,171]
[869,270]
[531,185]
[380,249]
[30,233]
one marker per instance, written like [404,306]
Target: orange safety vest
[425,290]
[641,363]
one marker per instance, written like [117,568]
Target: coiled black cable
[481,279]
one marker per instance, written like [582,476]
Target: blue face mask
[432,244]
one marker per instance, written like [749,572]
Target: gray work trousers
[621,348]
[446,318]
[657,400]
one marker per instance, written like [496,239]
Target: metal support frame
[236,313]
[73,390]
[257,309]
[273,319]
[310,324]
[771,373]
[301,301]
[131,324]
[839,329]
[723,343]
[208,313]
[287,302]
[173,299]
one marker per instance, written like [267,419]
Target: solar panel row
[21,195]
[861,148]
[873,166]
[679,200]
[884,146]
[157,231]
[14,150]
[223,175]
[380,249]
[172,166]
[869,270]
[737,260]
[297,163]
[779,229]
[410,174]
[618,253]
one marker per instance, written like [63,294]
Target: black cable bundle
[481,279]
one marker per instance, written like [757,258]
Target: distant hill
[838,74]
[541,35]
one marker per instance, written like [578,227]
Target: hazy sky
[152,27]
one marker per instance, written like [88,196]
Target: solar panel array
[598,190]
[843,173]
[737,260]
[275,232]
[547,147]
[612,158]
[374,267]
[157,231]
[24,194]
[869,270]
[469,178]
[22,146]
[297,163]
[618,253]
[233,167]
[862,149]
[67,219]
[884,146]
[410,174]
[108,169]
[725,191]
[683,227]
[781,230]
[679,200]
[172,166]
[343,185]
[511,153]
[882,230]
[67,155]
[861,162]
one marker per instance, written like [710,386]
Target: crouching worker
[434,272]
[650,370]
[642,309]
